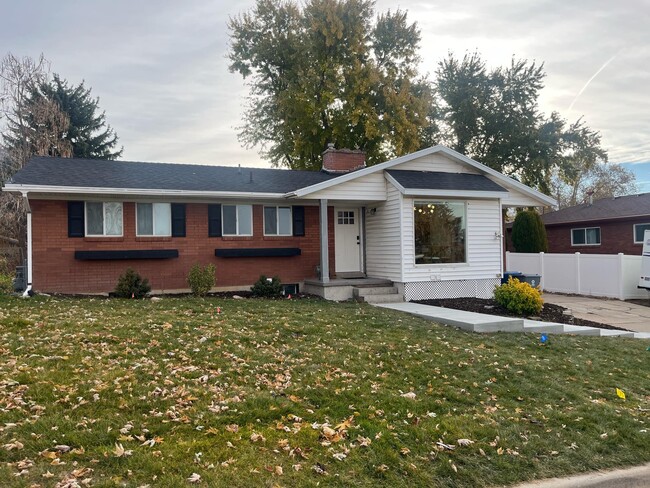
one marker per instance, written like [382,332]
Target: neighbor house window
[277,221]
[237,220]
[585,237]
[440,232]
[154,219]
[103,218]
[639,231]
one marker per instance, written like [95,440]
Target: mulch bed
[549,313]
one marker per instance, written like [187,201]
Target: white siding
[383,238]
[367,188]
[483,248]
[436,162]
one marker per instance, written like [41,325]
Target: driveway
[604,310]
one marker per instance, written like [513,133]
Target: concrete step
[615,333]
[642,335]
[382,298]
[364,291]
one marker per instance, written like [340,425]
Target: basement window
[103,219]
[153,219]
[588,236]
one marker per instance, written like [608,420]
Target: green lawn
[298,393]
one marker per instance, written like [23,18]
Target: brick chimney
[340,161]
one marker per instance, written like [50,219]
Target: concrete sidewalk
[637,477]
[604,310]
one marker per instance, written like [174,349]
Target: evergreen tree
[529,232]
[86,130]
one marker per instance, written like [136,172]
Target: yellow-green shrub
[519,297]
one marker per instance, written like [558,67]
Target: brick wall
[56,270]
[615,237]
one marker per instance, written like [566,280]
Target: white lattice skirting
[425,290]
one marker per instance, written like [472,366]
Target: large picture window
[440,230]
[103,218]
[154,219]
[277,221]
[585,237]
[237,220]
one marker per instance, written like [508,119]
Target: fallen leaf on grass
[119,451]
[194,478]
[464,442]
[410,395]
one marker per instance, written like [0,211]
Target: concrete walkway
[479,322]
[637,477]
[604,310]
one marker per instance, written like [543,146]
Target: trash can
[20,281]
[532,279]
[514,274]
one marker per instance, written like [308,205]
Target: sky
[161,72]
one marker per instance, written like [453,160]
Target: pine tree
[529,232]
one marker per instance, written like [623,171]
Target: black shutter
[76,219]
[214,220]
[178,220]
[298,213]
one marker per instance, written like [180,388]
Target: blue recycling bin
[514,274]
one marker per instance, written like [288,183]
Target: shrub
[6,283]
[519,297]
[201,280]
[267,287]
[529,233]
[131,285]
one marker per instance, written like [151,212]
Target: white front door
[347,242]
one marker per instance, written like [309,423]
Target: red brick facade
[616,236]
[55,268]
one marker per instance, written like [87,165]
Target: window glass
[578,236]
[162,219]
[229,219]
[145,219]
[245,220]
[593,235]
[440,229]
[94,218]
[113,218]
[639,232]
[284,221]
[270,220]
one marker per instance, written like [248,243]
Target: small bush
[267,287]
[131,285]
[201,280]
[6,283]
[519,297]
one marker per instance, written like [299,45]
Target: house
[428,223]
[606,226]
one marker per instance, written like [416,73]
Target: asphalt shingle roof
[434,180]
[93,173]
[606,208]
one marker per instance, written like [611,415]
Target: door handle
[358,240]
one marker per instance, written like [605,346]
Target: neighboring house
[430,222]
[607,226]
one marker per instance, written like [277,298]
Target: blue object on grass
[543,339]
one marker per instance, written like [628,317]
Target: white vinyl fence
[601,275]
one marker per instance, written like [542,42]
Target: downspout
[28,290]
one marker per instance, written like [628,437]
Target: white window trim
[634,233]
[441,265]
[586,243]
[277,220]
[121,234]
[223,233]
[153,226]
